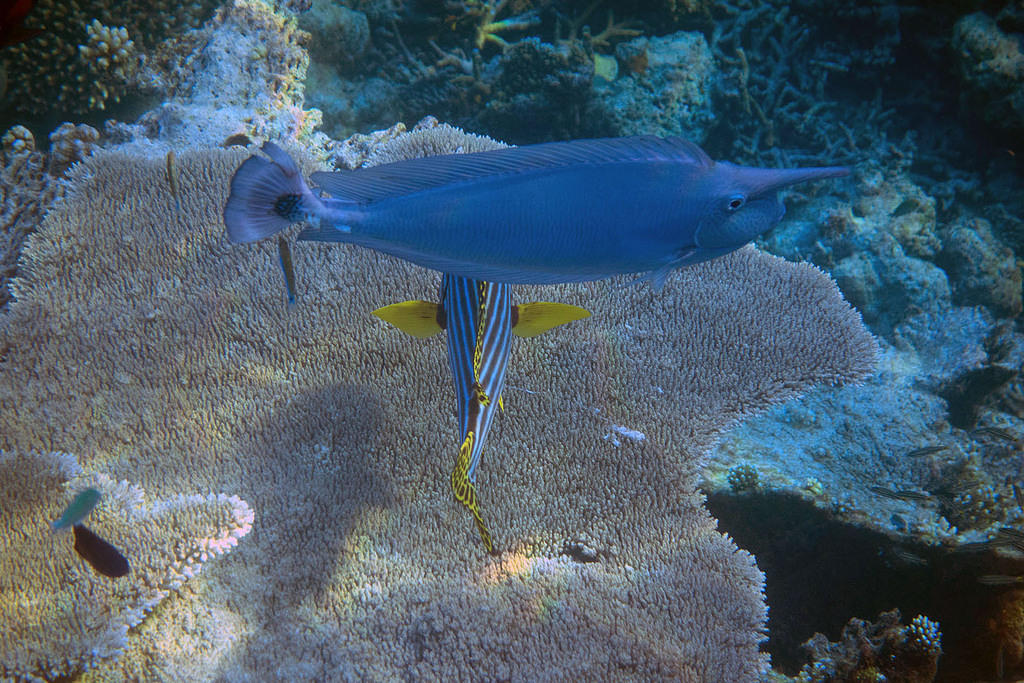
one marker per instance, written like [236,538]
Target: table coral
[144,341]
[59,616]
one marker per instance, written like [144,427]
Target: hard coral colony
[133,335]
[315,412]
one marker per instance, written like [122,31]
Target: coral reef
[59,617]
[1000,637]
[88,53]
[984,272]
[883,650]
[535,85]
[742,478]
[190,373]
[339,35]
[665,89]
[894,257]
[242,73]
[954,491]
[774,98]
[991,65]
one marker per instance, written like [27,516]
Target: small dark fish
[1013,537]
[999,580]
[79,508]
[284,254]
[1009,532]
[104,558]
[926,450]
[1019,496]
[976,547]
[237,140]
[905,207]
[12,13]
[172,179]
[997,432]
[909,558]
[898,495]
[912,495]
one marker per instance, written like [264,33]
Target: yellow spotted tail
[465,492]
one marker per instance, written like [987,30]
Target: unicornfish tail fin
[417,318]
[465,492]
[529,320]
[267,195]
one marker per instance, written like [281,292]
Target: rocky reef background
[896,490]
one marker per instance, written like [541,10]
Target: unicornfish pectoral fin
[465,492]
[418,318]
[540,316]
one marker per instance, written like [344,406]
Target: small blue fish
[554,212]
[480,320]
[79,508]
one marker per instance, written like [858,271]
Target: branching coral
[87,53]
[141,339]
[883,650]
[773,89]
[488,27]
[57,615]
[30,184]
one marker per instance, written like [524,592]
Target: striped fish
[480,320]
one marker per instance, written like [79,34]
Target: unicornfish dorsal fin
[418,318]
[529,320]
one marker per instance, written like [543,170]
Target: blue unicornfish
[547,213]
[480,319]
[78,509]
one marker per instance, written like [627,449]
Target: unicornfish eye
[736,201]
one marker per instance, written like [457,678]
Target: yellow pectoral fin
[418,318]
[540,316]
[465,492]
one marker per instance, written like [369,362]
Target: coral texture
[242,73]
[30,182]
[665,88]
[983,269]
[87,53]
[991,64]
[144,341]
[883,650]
[57,615]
